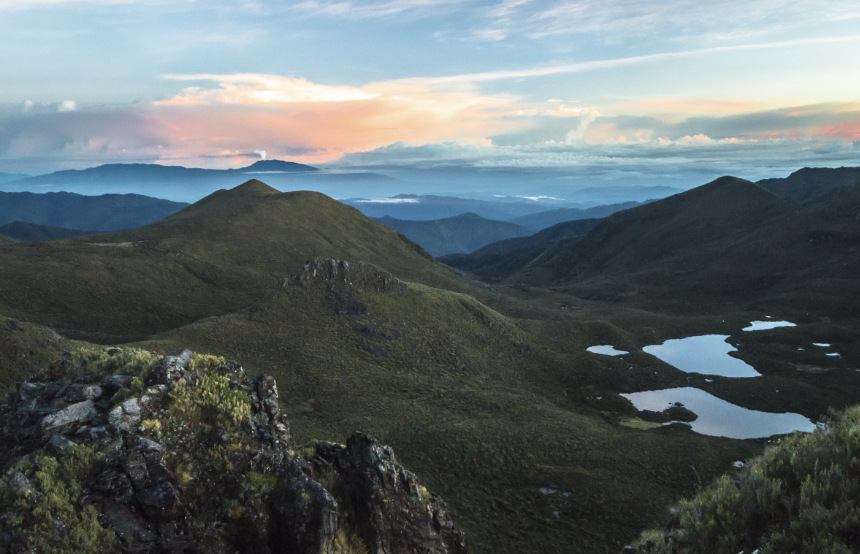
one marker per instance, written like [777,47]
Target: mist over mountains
[183,184]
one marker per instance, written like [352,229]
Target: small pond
[764,325]
[718,418]
[606,350]
[706,354]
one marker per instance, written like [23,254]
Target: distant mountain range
[31,232]
[462,233]
[504,258]
[542,220]
[10,177]
[189,184]
[109,212]
[535,214]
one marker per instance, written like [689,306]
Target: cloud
[257,89]
[224,119]
[510,74]
[67,106]
[370,9]
[618,21]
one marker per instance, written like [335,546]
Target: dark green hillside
[724,241]
[488,393]
[471,401]
[810,182]
[462,233]
[31,232]
[217,256]
[494,262]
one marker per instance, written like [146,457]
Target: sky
[614,91]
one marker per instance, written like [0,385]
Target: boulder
[68,419]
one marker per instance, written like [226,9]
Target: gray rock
[126,416]
[67,419]
[59,445]
[80,392]
[20,485]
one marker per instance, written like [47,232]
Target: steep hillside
[727,241]
[109,212]
[234,245]
[810,182]
[463,233]
[31,232]
[494,262]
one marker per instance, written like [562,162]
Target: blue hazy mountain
[109,212]
[459,234]
[185,184]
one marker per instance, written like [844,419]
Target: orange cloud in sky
[220,123]
[309,122]
[848,131]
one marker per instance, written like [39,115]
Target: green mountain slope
[31,232]
[810,182]
[498,260]
[487,419]
[215,257]
[727,241]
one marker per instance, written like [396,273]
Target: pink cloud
[321,122]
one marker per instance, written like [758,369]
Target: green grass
[467,403]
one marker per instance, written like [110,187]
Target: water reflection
[764,325]
[606,350]
[707,354]
[718,418]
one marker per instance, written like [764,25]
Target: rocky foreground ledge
[124,451]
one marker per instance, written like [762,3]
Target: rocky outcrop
[359,275]
[393,511]
[192,455]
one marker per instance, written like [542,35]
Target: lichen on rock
[188,453]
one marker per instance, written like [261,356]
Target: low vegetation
[41,509]
[801,495]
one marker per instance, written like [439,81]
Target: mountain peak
[276,166]
[255,187]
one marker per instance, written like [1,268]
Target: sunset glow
[321,82]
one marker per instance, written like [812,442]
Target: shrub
[801,494]
[47,516]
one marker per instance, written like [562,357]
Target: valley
[485,388]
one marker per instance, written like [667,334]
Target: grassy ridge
[487,393]
[467,402]
[211,258]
